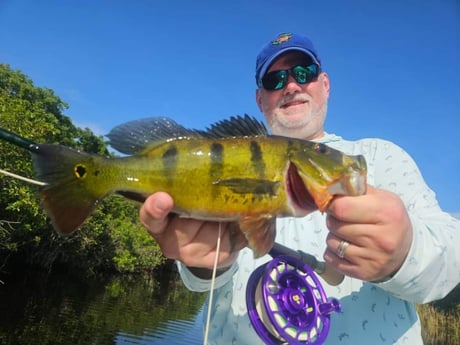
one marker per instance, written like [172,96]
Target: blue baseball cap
[283,43]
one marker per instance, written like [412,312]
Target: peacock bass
[232,171]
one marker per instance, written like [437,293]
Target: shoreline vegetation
[441,320]
[112,239]
[439,327]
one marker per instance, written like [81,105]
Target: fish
[233,170]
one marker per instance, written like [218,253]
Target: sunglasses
[276,80]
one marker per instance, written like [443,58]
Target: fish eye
[321,148]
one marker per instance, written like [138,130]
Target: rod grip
[324,270]
[329,274]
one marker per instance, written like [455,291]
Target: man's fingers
[364,209]
[154,212]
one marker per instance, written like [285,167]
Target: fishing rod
[25,144]
[286,301]
[15,139]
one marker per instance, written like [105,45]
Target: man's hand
[379,232]
[191,241]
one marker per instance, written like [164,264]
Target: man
[394,244]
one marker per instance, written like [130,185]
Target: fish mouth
[307,195]
[298,193]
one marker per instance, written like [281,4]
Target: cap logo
[282,38]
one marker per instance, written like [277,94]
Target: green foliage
[112,239]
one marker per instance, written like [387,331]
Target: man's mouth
[293,103]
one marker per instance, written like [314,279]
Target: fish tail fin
[69,196]
[66,191]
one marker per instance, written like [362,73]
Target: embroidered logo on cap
[282,38]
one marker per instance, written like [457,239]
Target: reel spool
[287,303]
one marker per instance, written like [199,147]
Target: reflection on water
[116,310]
[178,332]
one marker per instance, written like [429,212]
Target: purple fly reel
[287,304]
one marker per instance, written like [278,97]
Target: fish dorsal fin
[237,126]
[134,136]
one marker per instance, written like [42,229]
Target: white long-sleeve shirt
[371,313]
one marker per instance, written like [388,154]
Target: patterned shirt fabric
[372,313]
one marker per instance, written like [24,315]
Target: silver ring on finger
[342,247]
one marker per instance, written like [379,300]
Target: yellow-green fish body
[234,171]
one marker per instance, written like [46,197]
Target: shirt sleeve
[430,270]
[197,284]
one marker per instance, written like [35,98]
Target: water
[39,310]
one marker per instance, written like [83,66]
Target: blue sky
[394,65]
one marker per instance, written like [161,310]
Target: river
[60,309]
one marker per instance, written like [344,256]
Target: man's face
[296,111]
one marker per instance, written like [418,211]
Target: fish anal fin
[260,232]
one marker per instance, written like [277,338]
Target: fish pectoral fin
[260,231]
[249,185]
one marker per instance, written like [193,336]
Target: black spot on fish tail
[80,171]
[257,159]
[170,163]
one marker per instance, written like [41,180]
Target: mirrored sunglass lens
[303,74]
[274,80]
[300,75]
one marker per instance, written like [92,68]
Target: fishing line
[211,292]
[22,178]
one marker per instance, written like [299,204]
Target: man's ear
[259,99]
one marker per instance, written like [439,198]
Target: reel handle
[330,275]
